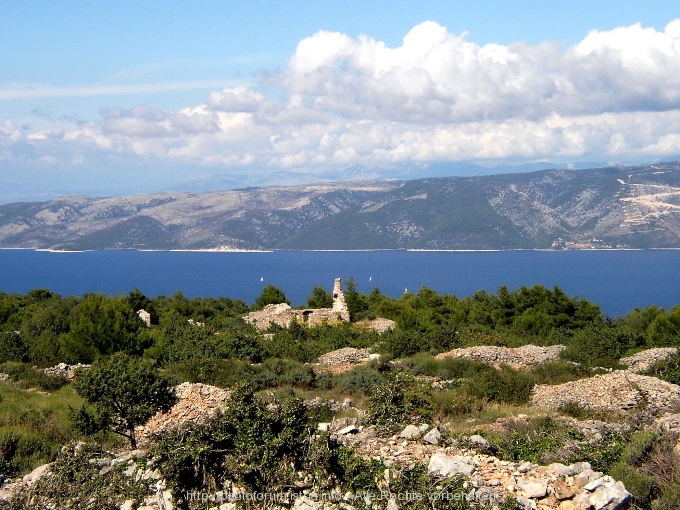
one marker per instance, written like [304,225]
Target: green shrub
[455,403]
[639,446]
[638,484]
[361,380]
[270,295]
[395,402]
[575,410]
[668,369]
[12,347]
[28,377]
[505,385]
[603,453]
[125,392]
[22,450]
[559,372]
[252,445]
[75,482]
[534,441]
[601,345]
[446,368]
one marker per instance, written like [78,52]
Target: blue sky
[121,97]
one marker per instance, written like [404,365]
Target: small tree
[270,296]
[125,393]
[319,298]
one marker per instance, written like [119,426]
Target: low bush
[252,445]
[28,377]
[559,372]
[360,380]
[447,368]
[504,385]
[75,482]
[455,403]
[272,373]
[637,483]
[601,346]
[397,402]
[668,369]
[534,441]
[12,347]
[21,450]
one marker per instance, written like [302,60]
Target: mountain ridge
[613,207]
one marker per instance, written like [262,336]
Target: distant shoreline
[414,250]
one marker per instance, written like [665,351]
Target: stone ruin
[145,316]
[282,314]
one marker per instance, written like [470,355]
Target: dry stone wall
[644,360]
[196,402]
[614,392]
[523,357]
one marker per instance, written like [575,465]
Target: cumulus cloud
[9,133]
[437,97]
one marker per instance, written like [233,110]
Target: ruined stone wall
[282,314]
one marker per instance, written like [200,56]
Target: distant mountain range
[615,207]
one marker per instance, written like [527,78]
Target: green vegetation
[33,426]
[205,340]
[126,392]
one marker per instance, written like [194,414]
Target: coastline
[274,250]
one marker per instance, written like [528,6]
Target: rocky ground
[523,357]
[645,359]
[64,370]
[196,402]
[555,486]
[615,392]
[344,356]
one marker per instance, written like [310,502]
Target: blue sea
[618,281]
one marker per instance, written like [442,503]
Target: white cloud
[9,133]
[239,99]
[438,96]
[36,91]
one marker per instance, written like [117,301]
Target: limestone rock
[533,488]
[479,441]
[410,432]
[37,474]
[609,495]
[379,325]
[196,402]
[344,356]
[443,465]
[563,491]
[585,477]
[433,437]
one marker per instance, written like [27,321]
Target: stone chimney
[339,304]
[145,316]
